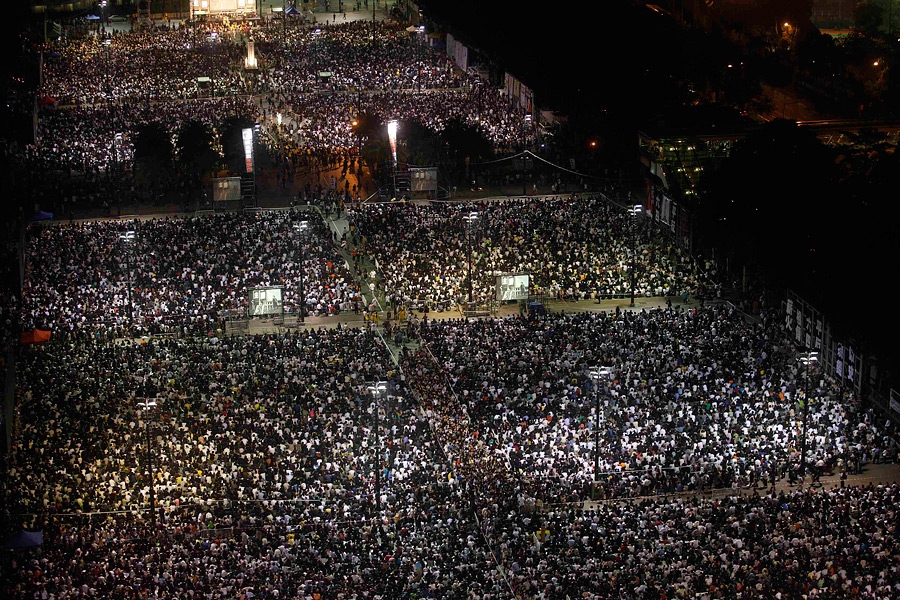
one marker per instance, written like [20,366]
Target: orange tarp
[35,336]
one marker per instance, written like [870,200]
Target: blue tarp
[92,17]
[42,216]
[26,539]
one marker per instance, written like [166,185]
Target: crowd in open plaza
[142,65]
[357,56]
[265,450]
[100,87]
[178,274]
[576,247]
[696,399]
[600,453]
[83,139]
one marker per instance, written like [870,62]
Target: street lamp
[355,125]
[378,391]
[145,406]
[635,211]
[597,375]
[807,359]
[128,238]
[300,228]
[471,220]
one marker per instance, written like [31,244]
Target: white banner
[457,52]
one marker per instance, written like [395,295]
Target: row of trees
[164,162]
[421,146]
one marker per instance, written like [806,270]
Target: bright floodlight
[392,136]
[809,357]
[600,373]
[378,388]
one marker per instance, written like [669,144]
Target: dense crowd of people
[494,463]
[573,247]
[158,64]
[177,274]
[698,399]
[264,451]
[801,544]
[120,82]
[396,59]
[92,139]
[325,120]
[261,457]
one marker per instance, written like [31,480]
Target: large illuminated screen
[512,287]
[265,301]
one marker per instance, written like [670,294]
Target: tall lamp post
[807,359]
[146,407]
[128,239]
[597,375]
[471,220]
[634,211]
[300,228]
[378,391]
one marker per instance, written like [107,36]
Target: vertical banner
[247,137]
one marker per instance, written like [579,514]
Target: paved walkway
[874,474]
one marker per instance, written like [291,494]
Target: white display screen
[265,301]
[512,287]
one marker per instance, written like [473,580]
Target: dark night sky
[569,54]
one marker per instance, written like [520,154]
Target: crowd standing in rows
[698,399]
[206,466]
[265,457]
[177,273]
[126,80]
[573,247]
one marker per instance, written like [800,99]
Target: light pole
[635,211]
[128,238]
[147,406]
[355,124]
[102,15]
[117,141]
[300,228]
[471,220]
[378,391]
[597,375]
[807,359]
